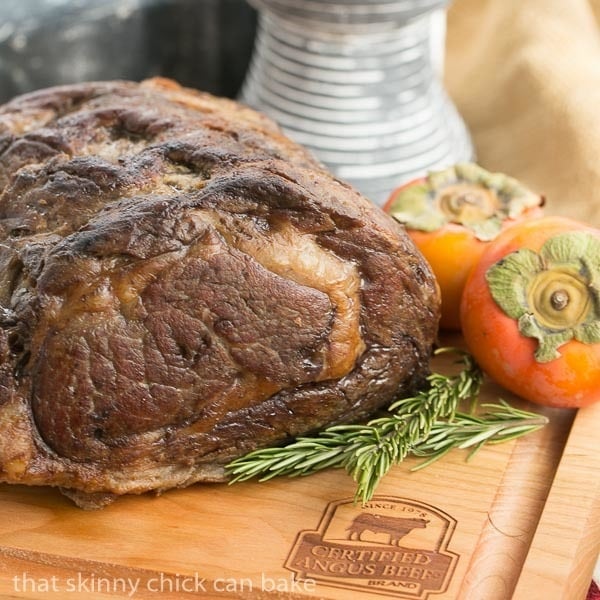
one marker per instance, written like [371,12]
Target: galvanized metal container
[204,44]
[359,83]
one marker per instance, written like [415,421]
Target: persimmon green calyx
[465,194]
[554,294]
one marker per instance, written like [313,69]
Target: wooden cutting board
[520,520]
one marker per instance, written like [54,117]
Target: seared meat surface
[181,284]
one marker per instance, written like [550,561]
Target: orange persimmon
[452,214]
[530,311]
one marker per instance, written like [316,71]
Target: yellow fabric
[525,75]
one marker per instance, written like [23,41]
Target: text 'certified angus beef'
[181,284]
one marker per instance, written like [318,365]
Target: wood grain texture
[566,544]
[524,521]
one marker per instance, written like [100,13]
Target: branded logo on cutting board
[390,545]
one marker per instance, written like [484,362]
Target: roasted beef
[180,284]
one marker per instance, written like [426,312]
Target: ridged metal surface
[367,102]
[349,12]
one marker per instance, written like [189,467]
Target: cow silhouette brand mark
[390,545]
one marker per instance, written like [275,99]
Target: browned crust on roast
[151,330]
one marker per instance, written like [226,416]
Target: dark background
[204,44]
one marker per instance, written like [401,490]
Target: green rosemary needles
[428,424]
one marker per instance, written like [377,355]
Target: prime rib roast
[181,284]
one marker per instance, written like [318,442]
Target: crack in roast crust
[179,283]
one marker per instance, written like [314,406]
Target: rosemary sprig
[499,423]
[426,424]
